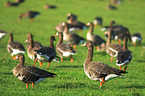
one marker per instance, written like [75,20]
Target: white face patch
[63,24]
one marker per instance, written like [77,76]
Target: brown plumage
[29,74]
[14,47]
[99,70]
[48,6]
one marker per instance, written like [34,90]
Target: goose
[29,14]
[19,1]
[36,43]
[71,17]
[98,21]
[29,74]
[64,49]
[48,6]
[2,34]
[112,48]
[110,6]
[14,47]
[71,38]
[97,40]
[46,54]
[8,4]
[124,56]
[98,70]
[136,38]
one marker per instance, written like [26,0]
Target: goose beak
[26,41]
[83,45]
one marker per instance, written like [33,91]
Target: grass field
[71,79]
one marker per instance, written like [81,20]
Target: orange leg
[80,31]
[13,57]
[124,68]
[119,41]
[97,48]
[102,82]
[35,62]
[71,45]
[113,41]
[27,86]
[134,44]
[71,59]
[32,85]
[61,59]
[111,59]
[48,65]
[31,19]
[74,47]
[120,68]
[40,64]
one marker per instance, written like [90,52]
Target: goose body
[136,38]
[71,38]
[124,56]
[98,70]
[29,14]
[97,40]
[46,54]
[64,49]
[98,21]
[14,47]
[29,74]
[2,33]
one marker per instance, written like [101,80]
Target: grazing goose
[110,6]
[8,4]
[48,6]
[29,74]
[97,40]
[36,43]
[71,38]
[29,14]
[98,70]
[14,47]
[136,38]
[2,33]
[112,48]
[64,49]
[124,56]
[98,21]
[46,54]
[19,1]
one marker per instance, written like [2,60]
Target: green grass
[71,79]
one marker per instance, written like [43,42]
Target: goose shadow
[140,60]
[6,73]
[133,86]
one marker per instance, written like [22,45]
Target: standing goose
[124,56]
[46,54]
[64,49]
[111,48]
[71,38]
[36,43]
[136,38]
[29,14]
[97,40]
[29,74]
[98,70]
[14,47]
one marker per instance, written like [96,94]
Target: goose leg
[35,62]
[31,19]
[71,59]
[120,68]
[40,64]
[48,65]
[119,41]
[27,86]
[32,85]
[113,41]
[97,48]
[74,47]
[61,59]
[111,59]
[13,57]
[71,45]
[134,44]
[103,81]
[124,68]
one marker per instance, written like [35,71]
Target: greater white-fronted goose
[36,43]
[71,17]
[29,14]
[14,47]
[29,74]
[71,38]
[111,48]
[98,21]
[8,4]
[2,33]
[19,1]
[124,56]
[64,49]
[98,70]
[117,32]
[46,54]
[48,6]
[136,39]
[97,40]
